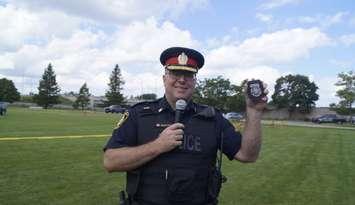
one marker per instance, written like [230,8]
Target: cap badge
[182,59]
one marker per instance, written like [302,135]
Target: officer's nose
[181,78]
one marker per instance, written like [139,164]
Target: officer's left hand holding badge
[123,119]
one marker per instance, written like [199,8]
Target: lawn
[296,166]
[21,122]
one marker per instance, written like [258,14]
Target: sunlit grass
[296,165]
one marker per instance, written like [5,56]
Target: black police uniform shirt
[182,175]
[125,135]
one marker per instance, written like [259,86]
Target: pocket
[181,185]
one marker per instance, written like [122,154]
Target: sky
[262,39]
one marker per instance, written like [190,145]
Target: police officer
[169,162]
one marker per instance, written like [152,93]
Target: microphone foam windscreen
[180,104]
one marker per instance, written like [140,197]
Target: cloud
[271,4]
[327,90]
[335,19]
[344,64]
[15,26]
[264,17]
[6,62]
[348,40]
[88,56]
[324,21]
[84,41]
[115,11]
[270,48]
[20,26]
[352,21]
[262,57]
[307,19]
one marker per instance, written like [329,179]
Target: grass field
[296,166]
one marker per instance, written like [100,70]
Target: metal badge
[255,90]
[182,59]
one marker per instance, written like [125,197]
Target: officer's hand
[258,106]
[170,138]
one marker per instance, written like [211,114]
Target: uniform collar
[164,105]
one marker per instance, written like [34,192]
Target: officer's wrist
[154,147]
[254,114]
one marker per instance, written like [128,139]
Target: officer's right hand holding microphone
[170,138]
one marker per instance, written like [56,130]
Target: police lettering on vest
[191,143]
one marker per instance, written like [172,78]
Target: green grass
[296,165]
[63,171]
[24,122]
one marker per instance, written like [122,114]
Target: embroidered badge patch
[123,119]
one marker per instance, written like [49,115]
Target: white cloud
[20,26]
[307,19]
[115,11]
[41,32]
[15,26]
[262,57]
[144,41]
[73,36]
[264,17]
[270,48]
[324,21]
[344,64]
[271,4]
[352,21]
[90,57]
[335,19]
[348,40]
[327,90]
[149,82]
[6,61]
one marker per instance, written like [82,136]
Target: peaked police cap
[180,58]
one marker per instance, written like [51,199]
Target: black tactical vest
[180,176]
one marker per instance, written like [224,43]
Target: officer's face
[179,85]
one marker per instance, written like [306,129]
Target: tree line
[293,92]
[49,90]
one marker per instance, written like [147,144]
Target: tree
[295,92]
[236,102]
[48,89]
[8,91]
[114,95]
[219,92]
[347,93]
[83,99]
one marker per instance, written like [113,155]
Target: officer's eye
[178,74]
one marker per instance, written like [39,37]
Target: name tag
[164,125]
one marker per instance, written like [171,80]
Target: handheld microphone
[180,106]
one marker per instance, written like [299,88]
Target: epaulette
[146,106]
[206,111]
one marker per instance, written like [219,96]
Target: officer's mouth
[181,88]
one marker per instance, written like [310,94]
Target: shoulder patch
[123,119]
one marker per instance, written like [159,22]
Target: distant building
[99,101]
[95,101]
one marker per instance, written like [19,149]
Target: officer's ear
[165,75]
